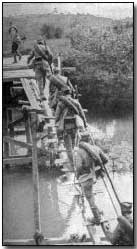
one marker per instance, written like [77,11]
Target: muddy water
[60,215]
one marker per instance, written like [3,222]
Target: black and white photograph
[67,123]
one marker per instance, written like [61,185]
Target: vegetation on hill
[104,61]
[50,31]
[101,50]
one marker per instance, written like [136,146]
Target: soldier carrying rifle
[41,63]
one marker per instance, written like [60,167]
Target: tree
[51,31]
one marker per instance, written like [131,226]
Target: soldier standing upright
[41,63]
[16,41]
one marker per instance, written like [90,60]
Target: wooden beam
[17,67]
[19,143]
[5,133]
[30,93]
[19,132]
[46,241]
[17,88]
[28,130]
[13,67]
[35,177]
[13,75]
[11,131]
[15,122]
[69,69]
[38,111]
[17,160]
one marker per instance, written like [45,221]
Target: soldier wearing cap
[42,59]
[123,233]
[67,111]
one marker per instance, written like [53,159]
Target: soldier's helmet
[40,40]
[126,208]
[86,137]
[66,90]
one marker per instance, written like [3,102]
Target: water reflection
[60,215]
[118,129]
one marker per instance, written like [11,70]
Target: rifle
[49,60]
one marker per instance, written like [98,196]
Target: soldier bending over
[67,115]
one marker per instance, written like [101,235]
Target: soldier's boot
[19,55]
[15,58]
[96,220]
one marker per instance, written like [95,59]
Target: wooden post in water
[37,236]
[28,130]
[59,63]
[5,133]
[11,130]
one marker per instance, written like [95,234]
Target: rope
[110,196]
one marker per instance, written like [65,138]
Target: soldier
[16,41]
[123,233]
[67,115]
[88,159]
[42,60]
[57,83]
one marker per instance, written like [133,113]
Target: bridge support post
[38,237]
[11,130]
[5,133]
[28,130]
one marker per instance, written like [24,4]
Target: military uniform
[120,235]
[16,40]
[85,172]
[67,126]
[43,57]
[56,90]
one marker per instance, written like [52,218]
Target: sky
[110,10]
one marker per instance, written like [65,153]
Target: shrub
[51,31]
[58,33]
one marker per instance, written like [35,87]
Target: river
[60,215]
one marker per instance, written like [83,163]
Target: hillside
[30,25]
[101,50]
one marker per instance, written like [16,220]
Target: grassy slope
[31,25]
[104,73]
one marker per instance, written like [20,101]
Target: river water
[60,214]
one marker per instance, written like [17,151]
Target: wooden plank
[68,69]
[16,67]
[23,102]
[15,122]
[19,132]
[17,88]
[17,161]
[46,241]
[41,112]
[19,143]
[13,67]
[12,75]
[16,82]
[16,156]
[30,93]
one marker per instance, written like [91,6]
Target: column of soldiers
[70,119]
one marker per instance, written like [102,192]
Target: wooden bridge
[21,95]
